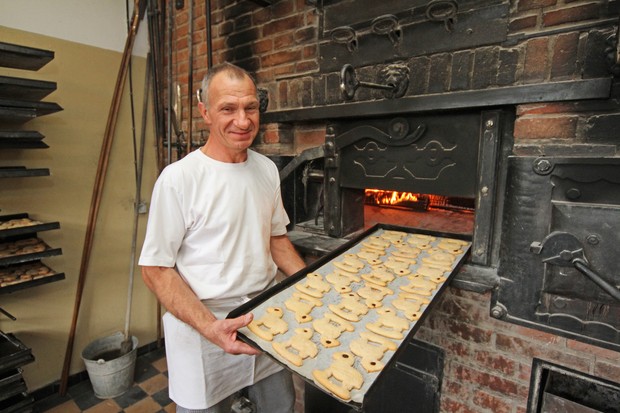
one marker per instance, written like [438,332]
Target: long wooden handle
[102,167]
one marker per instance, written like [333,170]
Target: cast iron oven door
[453,154]
[560,270]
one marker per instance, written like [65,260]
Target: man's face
[233,113]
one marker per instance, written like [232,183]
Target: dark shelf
[22,256]
[32,283]
[20,111]
[22,140]
[22,172]
[24,230]
[23,57]
[13,353]
[27,89]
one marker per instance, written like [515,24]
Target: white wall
[99,23]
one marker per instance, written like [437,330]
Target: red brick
[283,41]
[281,57]
[309,52]
[608,370]
[525,372]
[263,46]
[544,108]
[496,362]
[546,128]
[282,25]
[459,349]
[271,136]
[483,379]
[535,66]
[564,61]
[492,403]
[453,406]
[571,15]
[543,337]
[282,9]
[310,137]
[522,23]
[534,4]
[284,70]
[306,66]
[599,352]
[555,353]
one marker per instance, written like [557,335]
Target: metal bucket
[110,373]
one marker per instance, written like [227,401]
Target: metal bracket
[443,11]
[387,25]
[565,250]
[395,78]
[345,35]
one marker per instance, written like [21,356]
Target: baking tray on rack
[395,311]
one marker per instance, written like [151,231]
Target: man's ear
[203,112]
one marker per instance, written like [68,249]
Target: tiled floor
[149,393]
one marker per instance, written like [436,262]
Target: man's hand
[224,334]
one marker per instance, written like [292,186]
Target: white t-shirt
[213,221]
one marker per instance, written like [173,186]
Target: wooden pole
[102,167]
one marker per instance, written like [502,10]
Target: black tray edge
[284,284]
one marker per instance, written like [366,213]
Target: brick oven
[507,108]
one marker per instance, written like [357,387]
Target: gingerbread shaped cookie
[349,307]
[341,278]
[269,324]
[374,292]
[350,264]
[340,377]
[302,304]
[330,327]
[298,347]
[371,348]
[410,305]
[313,285]
[389,324]
[379,276]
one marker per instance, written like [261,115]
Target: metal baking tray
[13,353]
[28,229]
[277,295]
[21,256]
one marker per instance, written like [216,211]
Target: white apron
[201,374]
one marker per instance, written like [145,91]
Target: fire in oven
[439,172]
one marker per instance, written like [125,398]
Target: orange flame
[383,197]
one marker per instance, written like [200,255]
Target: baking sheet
[276,297]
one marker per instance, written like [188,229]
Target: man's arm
[285,256]
[176,296]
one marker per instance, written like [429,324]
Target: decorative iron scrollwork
[387,25]
[395,80]
[345,35]
[443,11]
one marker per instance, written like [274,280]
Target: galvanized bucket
[110,373]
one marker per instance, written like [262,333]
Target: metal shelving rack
[21,250]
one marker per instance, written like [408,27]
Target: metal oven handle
[565,250]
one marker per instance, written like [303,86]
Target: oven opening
[424,211]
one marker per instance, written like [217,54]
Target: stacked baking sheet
[340,322]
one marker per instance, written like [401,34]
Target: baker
[215,237]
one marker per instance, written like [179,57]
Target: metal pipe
[190,76]
[209,41]
[170,26]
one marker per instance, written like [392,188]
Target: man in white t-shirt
[216,235]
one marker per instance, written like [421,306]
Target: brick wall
[488,362]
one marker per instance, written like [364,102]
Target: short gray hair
[234,71]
